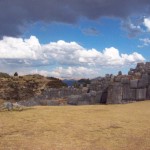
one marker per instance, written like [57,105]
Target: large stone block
[141,94]
[83,103]
[85,90]
[134,84]
[98,97]
[85,97]
[142,83]
[117,79]
[128,94]
[125,81]
[148,93]
[53,103]
[146,78]
[73,99]
[114,94]
[147,65]
[29,103]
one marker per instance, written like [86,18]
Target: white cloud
[17,48]
[132,29]
[147,23]
[61,58]
[69,72]
[145,41]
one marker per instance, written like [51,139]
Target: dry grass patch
[98,127]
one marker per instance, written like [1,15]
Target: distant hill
[69,82]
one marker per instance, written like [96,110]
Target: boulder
[8,106]
[141,94]
[17,107]
[134,84]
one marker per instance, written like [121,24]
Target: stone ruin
[105,90]
[132,87]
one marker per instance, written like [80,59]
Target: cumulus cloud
[17,48]
[61,58]
[69,72]
[147,23]
[17,15]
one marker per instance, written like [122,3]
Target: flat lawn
[97,127]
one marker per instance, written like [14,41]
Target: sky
[73,38]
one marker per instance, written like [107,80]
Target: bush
[15,74]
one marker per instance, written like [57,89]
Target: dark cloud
[132,29]
[16,14]
[90,31]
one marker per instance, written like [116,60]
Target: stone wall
[133,87]
[108,90]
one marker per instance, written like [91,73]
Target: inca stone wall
[133,87]
[108,90]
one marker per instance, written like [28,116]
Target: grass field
[97,127]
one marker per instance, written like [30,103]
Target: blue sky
[109,33]
[71,40]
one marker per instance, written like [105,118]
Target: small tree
[15,74]
[119,73]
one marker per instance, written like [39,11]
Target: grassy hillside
[98,127]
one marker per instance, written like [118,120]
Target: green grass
[97,127]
